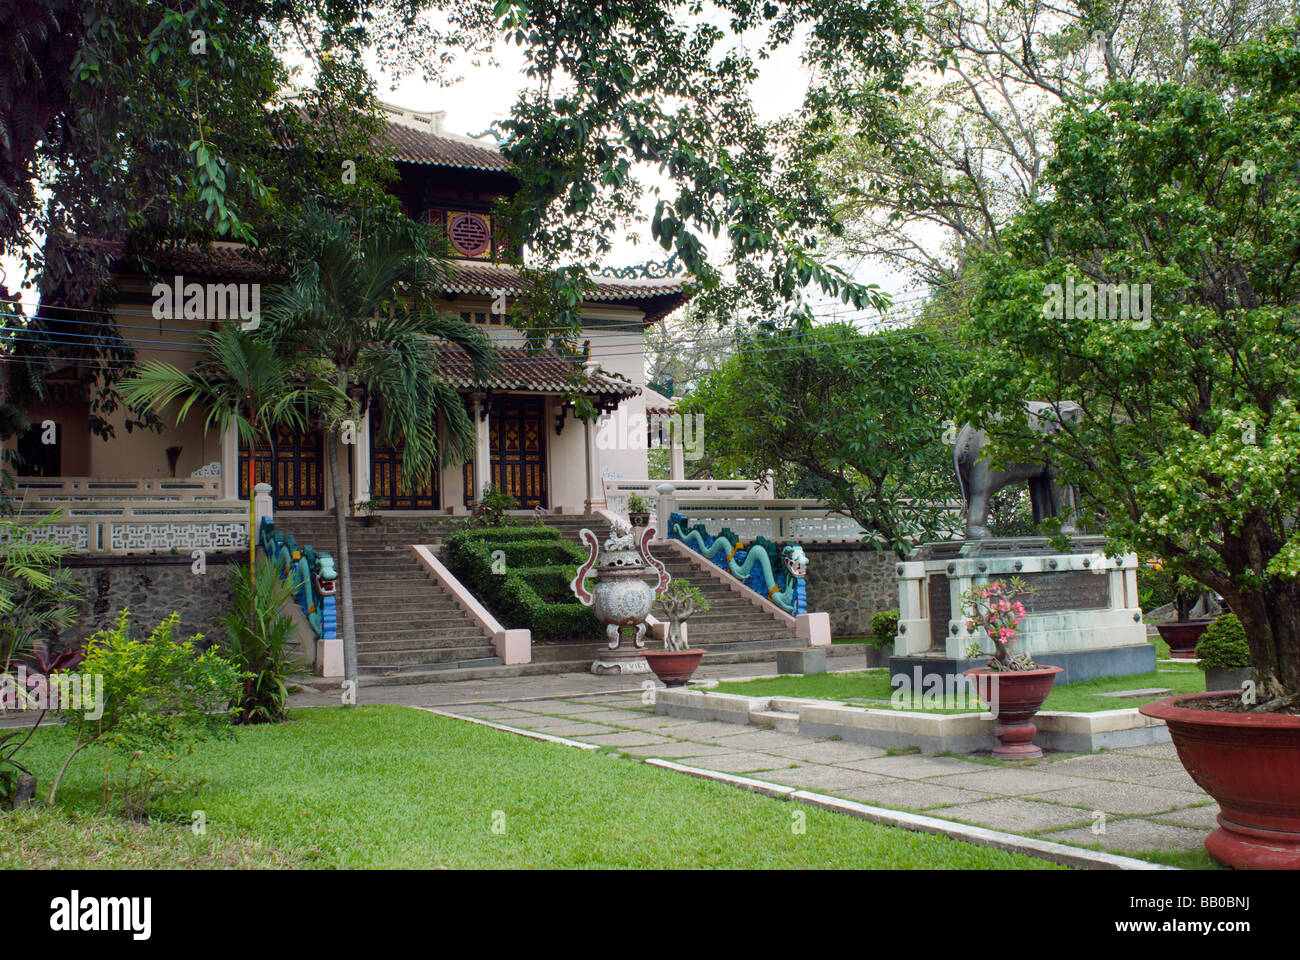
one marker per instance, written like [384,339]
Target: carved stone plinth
[618,662]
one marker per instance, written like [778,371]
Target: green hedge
[884,628]
[508,532]
[518,597]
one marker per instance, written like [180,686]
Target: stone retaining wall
[153,588]
[851,582]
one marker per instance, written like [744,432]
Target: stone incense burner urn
[627,581]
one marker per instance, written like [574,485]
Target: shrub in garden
[160,699]
[1223,644]
[259,633]
[884,627]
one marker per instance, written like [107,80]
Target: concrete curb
[981,836]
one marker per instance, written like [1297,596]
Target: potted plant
[884,631]
[370,510]
[638,511]
[1013,687]
[675,663]
[1183,631]
[1224,654]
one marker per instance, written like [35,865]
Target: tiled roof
[657,297]
[405,143]
[217,261]
[547,372]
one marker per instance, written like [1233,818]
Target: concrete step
[419,631]
[393,659]
[373,645]
[782,722]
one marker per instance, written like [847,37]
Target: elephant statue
[980,480]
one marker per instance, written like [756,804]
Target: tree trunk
[347,622]
[1270,615]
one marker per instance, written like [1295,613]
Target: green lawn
[396,787]
[871,688]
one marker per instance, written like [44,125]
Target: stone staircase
[409,629]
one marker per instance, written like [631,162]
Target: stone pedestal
[619,661]
[1084,615]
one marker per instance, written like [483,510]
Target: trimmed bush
[1223,644]
[884,627]
[534,596]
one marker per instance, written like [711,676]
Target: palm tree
[243,380]
[364,310]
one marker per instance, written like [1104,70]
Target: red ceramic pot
[1014,696]
[1181,635]
[1250,763]
[674,667]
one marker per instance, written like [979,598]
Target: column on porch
[595,488]
[482,446]
[230,464]
[361,460]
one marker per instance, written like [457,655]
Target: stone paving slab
[768,741]
[914,766]
[489,712]
[829,751]
[624,738]
[556,707]
[1133,836]
[1108,766]
[677,748]
[1115,797]
[1011,782]
[1014,815]
[669,725]
[743,762]
[914,794]
[1206,817]
[709,731]
[561,727]
[1174,780]
[604,715]
[1165,751]
[824,779]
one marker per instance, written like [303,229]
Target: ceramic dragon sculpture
[777,573]
[311,576]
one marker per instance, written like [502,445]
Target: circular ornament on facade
[469,234]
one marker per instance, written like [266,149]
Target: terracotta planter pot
[1250,763]
[639,520]
[1014,696]
[1181,635]
[674,667]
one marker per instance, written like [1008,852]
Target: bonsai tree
[1223,646]
[993,608]
[1168,218]
[637,506]
[679,601]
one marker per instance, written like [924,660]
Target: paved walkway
[1135,800]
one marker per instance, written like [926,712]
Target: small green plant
[158,699]
[491,510]
[637,505]
[1223,645]
[258,637]
[884,628]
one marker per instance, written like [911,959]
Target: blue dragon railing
[311,575]
[775,572]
